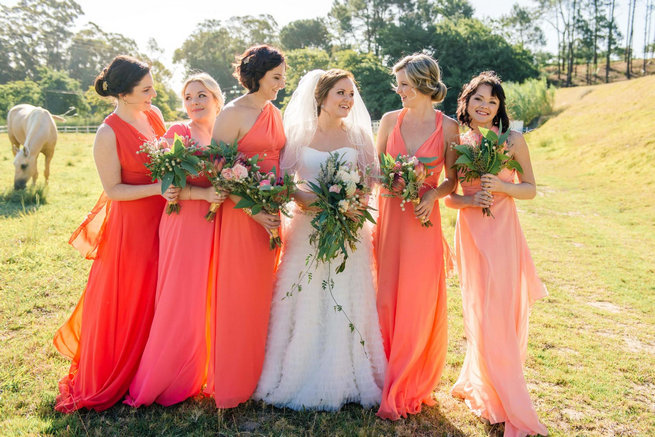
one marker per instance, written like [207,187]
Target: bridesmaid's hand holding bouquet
[269,193]
[171,164]
[403,177]
[488,157]
[227,169]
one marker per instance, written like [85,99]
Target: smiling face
[199,102]
[142,94]
[272,82]
[482,106]
[405,89]
[339,99]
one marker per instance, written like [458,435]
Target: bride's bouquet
[404,177]
[269,193]
[342,209]
[227,170]
[172,164]
[489,156]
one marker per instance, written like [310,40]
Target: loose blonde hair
[208,82]
[424,74]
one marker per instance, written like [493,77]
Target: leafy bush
[529,100]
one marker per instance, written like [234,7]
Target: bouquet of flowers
[341,201]
[227,169]
[403,177]
[489,156]
[267,192]
[172,164]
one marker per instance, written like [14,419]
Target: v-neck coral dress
[499,285]
[108,329]
[244,268]
[411,290]
[174,365]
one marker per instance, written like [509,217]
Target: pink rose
[240,171]
[265,182]
[335,188]
[227,174]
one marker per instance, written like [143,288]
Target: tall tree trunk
[628,69]
[649,10]
[609,42]
[595,48]
[571,38]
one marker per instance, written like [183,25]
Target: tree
[632,5]
[610,40]
[213,47]
[301,34]
[16,92]
[60,92]
[521,27]
[91,49]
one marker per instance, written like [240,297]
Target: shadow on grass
[16,202]
[200,417]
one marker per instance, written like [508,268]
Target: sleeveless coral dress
[108,329]
[174,363]
[499,285]
[411,290]
[244,268]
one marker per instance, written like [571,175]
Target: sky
[170,22]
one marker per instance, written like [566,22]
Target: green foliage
[98,105]
[529,100]
[213,47]
[61,92]
[302,34]
[299,62]
[16,92]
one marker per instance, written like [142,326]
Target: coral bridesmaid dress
[175,360]
[244,269]
[108,329]
[499,284]
[411,290]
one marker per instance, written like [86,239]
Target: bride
[313,360]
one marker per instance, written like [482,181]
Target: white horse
[35,129]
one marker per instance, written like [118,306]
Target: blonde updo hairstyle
[424,75]
[208,82]
[326,82]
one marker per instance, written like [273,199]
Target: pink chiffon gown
[244,268]
[174,365]
[499,285]
[411,290]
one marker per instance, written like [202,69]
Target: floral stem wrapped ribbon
[269,193]
[342,211]
[489,156]
[171,164]
[403,177]
[227,169]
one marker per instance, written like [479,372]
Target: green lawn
[591,229]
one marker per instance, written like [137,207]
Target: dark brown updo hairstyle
[485,78]
[253,64]
[326,82]
[120,76]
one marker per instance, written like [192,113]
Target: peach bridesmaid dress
[243,268]
[108,329]
[411,290]
[499,284]
[174,365]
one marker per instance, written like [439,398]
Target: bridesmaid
[173,369]
[411,275]
[497,275]
[243,265]
[107,332]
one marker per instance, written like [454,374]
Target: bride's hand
[268,221]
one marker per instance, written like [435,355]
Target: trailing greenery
[529,100]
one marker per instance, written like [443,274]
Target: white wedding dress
[313,360]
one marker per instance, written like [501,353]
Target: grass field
[591,229]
